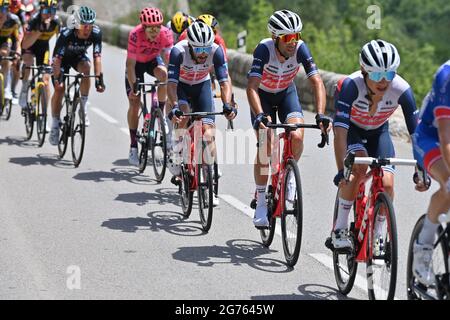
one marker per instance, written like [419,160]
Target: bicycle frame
[144,92]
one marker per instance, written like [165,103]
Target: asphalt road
[103,231]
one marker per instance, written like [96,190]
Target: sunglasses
[200,50]
[48,11]
[378,76]
[291,38]
[152,29]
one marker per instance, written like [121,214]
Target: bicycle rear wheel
[158,140]
[292,215]
[418,291]
[7,109]
[143,155]
[41,114]
[2,94]
[268,234]
[65,131]
[205,193]
[78,132]
[187,196]
[382,251]
[344,263]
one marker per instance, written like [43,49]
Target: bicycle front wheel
[41,114]
[2,94]
[440,263]
[65,131]
[78,132]
[382,251]
[344,263]
[158,144]
[187,196]
[292,216]
[268,234]
[205,193]
[8,109]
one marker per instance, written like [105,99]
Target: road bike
[373,232]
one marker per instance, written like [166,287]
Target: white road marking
[105,116]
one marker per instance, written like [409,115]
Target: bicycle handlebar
[80,76]
[198,114]
[41,69]
[325,138]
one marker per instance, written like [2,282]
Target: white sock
[428,234]
[261,195]
[25,84]
[379,224]
[84,102]
[56,122]
[343,212]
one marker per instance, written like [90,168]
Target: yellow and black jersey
[36,24]
[12,27]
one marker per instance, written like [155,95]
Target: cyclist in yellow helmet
[10,41]
[43,26]
[179,23]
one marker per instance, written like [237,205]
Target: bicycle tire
[2,94]
[158,139]
[8,109]
[187,196]
[65,130]
[143,155]
[41,114]
[205,192]
[292,252]
[390,252]
[267,235]
[78,129]
[345,286]
[411,282]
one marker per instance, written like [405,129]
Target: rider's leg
[28,60]
[160,73]
[6,66]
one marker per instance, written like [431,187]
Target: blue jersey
[437,103]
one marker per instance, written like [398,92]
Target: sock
[428,234]
[25,84]
[343,212]
[84,100]
[56,122]
[162,105]
[133,136]
[261,195]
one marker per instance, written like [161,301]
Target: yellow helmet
[210,21]
[180,22]
[4,4]
[48,3]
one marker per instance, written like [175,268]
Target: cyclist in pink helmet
[149,45]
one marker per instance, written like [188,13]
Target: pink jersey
[141,49]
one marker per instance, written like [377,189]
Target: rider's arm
[444,137]
[410,111]
[168,45]
[97,50]
[221,70]
[442,114]
[176,59]
[260,59]
[312,72]
[59,52]
[343,105]
[32,34]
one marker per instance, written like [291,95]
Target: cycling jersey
[353,106]
[36,24]
[184,69]
[436,106]
[69,46]
[11,31]
[217,40]
[22,16]
[143,50]
[277,76]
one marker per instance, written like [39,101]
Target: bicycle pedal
[329,244]
[262,228]
[253,204]
[175,181]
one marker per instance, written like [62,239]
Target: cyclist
[15,7]
[42,27]
[71,51]
[179,23]
[432,151]
[364,102]
[10,41]
[148,42]
[190,82]
[271,89]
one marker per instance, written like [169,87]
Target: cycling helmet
[200,35]
[85,15]
[4,4]
[180,22]
[284,22]
[379,56]
[151,17]
[48,3]
[210,21]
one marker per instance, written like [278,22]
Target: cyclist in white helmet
[189,87]
[365,100]
[271,90]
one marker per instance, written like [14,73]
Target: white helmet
[200,34]
[379,56]
[284,22]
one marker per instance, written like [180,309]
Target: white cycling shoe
[422,266]
[54,136]
[260,220]
[133,158]
[341,240]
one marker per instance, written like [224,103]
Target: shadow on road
[116,175]
[236,252]
[159,197]
[170,222]
[19,142]
[308,292]
[42,160]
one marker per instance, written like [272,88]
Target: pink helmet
[151,17]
